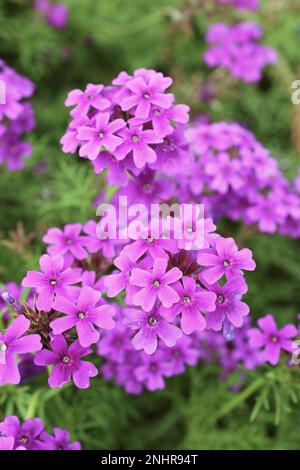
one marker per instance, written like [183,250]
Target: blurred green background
[103,38]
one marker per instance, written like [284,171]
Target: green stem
[33,404]
[240,398]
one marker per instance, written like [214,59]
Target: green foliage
[197,410]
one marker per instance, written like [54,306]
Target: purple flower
[101,134]
[84,314]
[241,4]
[228,303]
[66,241]
[236,49]
[95,244]
[144,94]
[224,259]
[150,326]
[16,117]
[155,285]
[193,301]
[224,173]
[153,370]
[83,101]
[266,212]
[7,443]
[184,352]
[61,440]
[58,15]
[115,344]
[149,240]
[271,339]
[67,363]
[115,283]
[27,435]
[137,140]
[14,342]
[53,280]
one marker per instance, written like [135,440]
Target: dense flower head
[172,291]
[55,14]
[135,370]
[16,117]
[236,177]
[126,127]
[31,435]
[237,49]
[242,4]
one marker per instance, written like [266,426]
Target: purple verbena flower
[54,280]
[67,363]
[272,340]
[155,285]
[84,314]
[13,342]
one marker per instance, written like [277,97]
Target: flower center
[186,300]
[66,359]
[69,241]
[146,95]
[53,282]
[135,138]
[118,342]
[157,112]
[169,146]
[81,315]
[220,299]
[189,230]
[156,283]
[24,440]
[274,339]
[152,321]
[147,187]
[226,263]
[153,368]
[101,135]
[150,240]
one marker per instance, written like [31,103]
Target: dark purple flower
[67,363]
[27,435]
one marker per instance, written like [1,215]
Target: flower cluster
[16,117]
[236,48]
[232,352]
[236,177]
[55,14]
[31,435]
[136,371]
[173,290]
[128,127]
[241,4]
